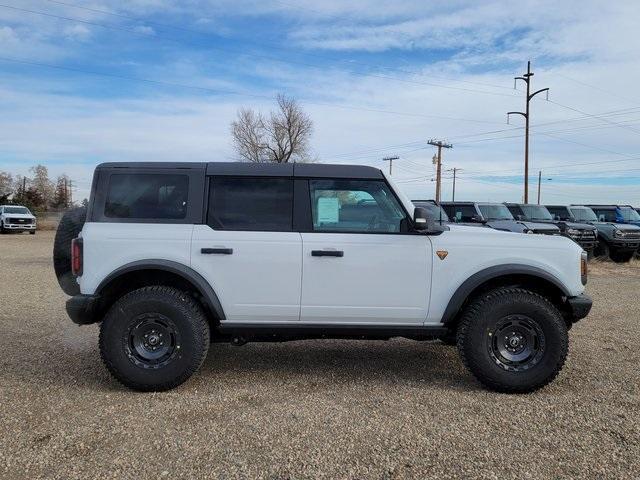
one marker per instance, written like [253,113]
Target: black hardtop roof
[610,206]
[471,203]
[515,204]
[320,170]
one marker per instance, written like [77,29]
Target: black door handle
[219,251]
[327,253]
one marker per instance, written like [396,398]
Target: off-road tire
[32,232]
[2,229]
[476,332]
[69,228]
[622,257]
[173,307]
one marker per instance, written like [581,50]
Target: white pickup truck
[170,257]
[15,218]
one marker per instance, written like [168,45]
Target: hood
[19,215]
[521,226]
[616,225]
[578,226]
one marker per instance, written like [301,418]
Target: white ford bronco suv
[170,257]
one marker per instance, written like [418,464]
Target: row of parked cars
[603,231]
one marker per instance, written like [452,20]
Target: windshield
[536,212]
[434,211]
[495,212]
[20,210]
[583,214]
[629,214]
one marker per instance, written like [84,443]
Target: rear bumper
[579,307]
[83,309]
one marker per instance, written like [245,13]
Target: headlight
[573,232]
[617,233]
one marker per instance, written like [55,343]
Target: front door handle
[327,253]
[218,251]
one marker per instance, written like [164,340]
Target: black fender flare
[477,279]
[209,296]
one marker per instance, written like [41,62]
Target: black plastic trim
[82,309]
[208,294]
[240,333]
[491,273]
[580,306]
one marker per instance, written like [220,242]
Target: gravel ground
[316,409]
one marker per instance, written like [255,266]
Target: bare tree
[281,138]
[41,184]
[6,186]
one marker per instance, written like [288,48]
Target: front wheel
[154,338]
[622,257]
[513,340]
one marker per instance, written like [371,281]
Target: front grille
[629,234]
[20,221]
[585,236]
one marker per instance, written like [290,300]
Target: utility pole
[455,171]
[526,78]
[540,184]
[438,160]
[390,160]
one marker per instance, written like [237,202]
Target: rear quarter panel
[109,246]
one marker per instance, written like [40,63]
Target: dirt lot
[322,409]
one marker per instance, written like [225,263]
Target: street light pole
[526,78]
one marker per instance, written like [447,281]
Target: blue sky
[83,82]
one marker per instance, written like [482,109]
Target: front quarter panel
[470,251]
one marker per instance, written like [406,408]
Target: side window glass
[359,206]
[147,196]
[246,203]
[465,213]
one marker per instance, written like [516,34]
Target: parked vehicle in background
[496,216]
[583,234]
[433,209]
[171,256]
[616,213]
[615,241]
[16,218]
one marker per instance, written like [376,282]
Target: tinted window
[154,196]
[245,203]
[354,206]
[536,212]
[495,212]
[560,212]
[461,213]
[605,215]
[583,214]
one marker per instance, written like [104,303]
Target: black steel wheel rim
[152,341]
[516,343]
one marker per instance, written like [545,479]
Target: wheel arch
[143,273]
[526,276]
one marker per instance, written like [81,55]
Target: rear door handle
[327,253]
[218,251]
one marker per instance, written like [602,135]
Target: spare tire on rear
[69,228]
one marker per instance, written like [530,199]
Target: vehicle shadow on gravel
[396,361]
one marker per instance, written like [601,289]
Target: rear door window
[147,196]
[248,203]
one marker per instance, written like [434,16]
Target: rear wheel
[154,338]
[513,340]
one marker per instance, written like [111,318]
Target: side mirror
[420,219]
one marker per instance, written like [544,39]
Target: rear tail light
[76,256]
[584,269]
